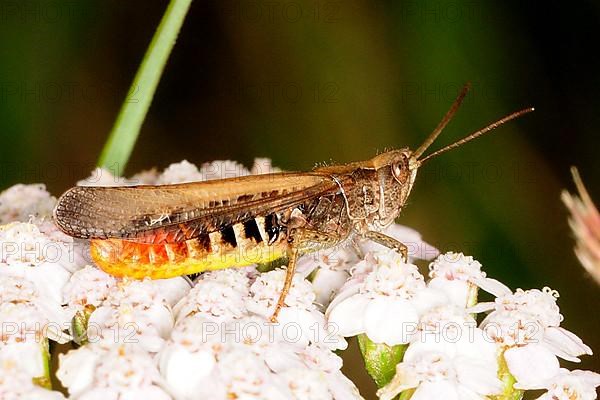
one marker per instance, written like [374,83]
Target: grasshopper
[171,230]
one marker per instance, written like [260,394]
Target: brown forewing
[173,213]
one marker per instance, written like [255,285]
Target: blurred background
[314,81]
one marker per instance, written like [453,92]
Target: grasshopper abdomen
[257,240]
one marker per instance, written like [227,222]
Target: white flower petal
[183,370]
[173,289]
[428,298]
[565,344]
[146,393]
[406,377]
[492,286]
[481,307]
[29,356]
[87,286]
[436,390]
[76,369]
[307,384]
[348,315]
[263,165]
[326,283]
[456,290]
[222,169]
[296,326]
[16,385]
[390,321]
[280,358]
[348,290]
[478,375]
[48,278]
[109,393]
[521,359]
[342,388]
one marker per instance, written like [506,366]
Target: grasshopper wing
[174,213]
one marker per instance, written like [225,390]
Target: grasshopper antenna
[476,134]
[438,129]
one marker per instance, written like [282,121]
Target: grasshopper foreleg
[300,240]
[388,242]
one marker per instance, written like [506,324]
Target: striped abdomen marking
[237,245]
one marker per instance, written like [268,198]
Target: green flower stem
[380,359]
[123,136]
[472,295]
[79,325]
[407,394]
[44,380]
[509,393]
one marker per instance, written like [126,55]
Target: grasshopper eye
[400,172]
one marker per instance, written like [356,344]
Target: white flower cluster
[211,338]
[36,261]
[448,355]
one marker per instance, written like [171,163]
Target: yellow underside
[118,266]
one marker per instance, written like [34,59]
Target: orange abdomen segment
[217,250]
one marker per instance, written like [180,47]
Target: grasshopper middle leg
[388,242]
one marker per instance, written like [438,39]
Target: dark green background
[304,82]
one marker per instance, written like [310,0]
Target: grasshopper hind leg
[301,240]
[289,276]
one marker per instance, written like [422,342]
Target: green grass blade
[123,136]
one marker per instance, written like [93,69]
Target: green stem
[44,380]
[79,325]
[407,394]
[509,392]
[123,136]
[380,359]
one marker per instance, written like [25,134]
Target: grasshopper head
[396,173]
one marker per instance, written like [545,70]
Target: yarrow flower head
[460,276]
[89,286]
[19,203]
[448,354]
[451,330]
[526,325]
[539,304]
[219,295]
[330,268]
[28,316]
[27,322]
[16,384]
[134,311]
[300,311]
[435,375]
[383,285]
[104,177]
[247,358]
[46,261]
[111,372]
[569,385]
